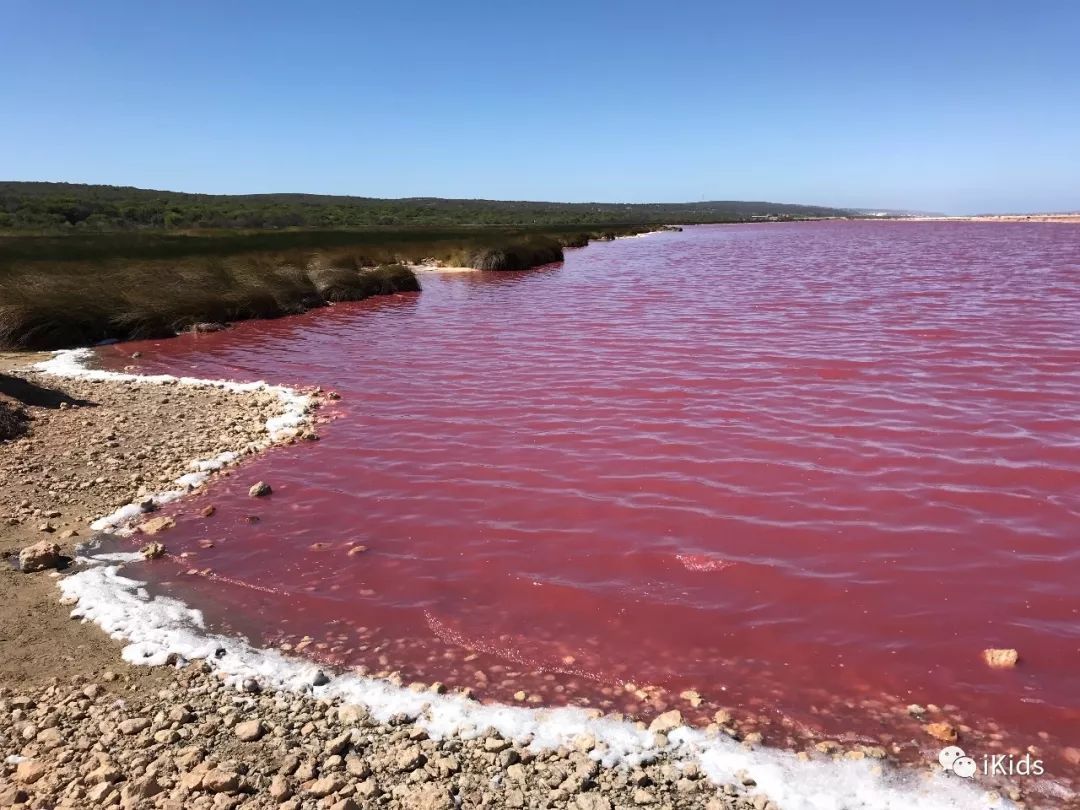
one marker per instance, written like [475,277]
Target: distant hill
[62,206]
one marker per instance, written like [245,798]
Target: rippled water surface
[809,470]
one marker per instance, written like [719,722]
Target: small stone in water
[259,489]
[1000,658]
[157,525]
[941,731]
[152,551]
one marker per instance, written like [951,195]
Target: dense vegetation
[64,207]
[58,291]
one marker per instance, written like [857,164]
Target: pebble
[666,722]
[249,731]
[157,525]
[260,489]
[1000,658]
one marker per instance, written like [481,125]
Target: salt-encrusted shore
[246,727]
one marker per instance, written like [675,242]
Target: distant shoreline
[1066,218]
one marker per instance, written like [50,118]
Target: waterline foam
[157,628]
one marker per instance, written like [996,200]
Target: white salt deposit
[295,414]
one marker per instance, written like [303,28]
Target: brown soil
[88,450]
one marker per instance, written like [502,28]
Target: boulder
[40,557]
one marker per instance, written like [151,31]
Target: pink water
[809,470]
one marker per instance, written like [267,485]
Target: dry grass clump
[13,420]
[519,256]
[50,306]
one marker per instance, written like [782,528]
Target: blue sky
[948,106]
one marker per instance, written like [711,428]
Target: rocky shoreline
[101,741]
[80,728]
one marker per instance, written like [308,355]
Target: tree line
[61,207]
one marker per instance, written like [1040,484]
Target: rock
[11,795]
[249,730]
[496,744]
[722,717]
[1000,658]
[50,738]
[208,511]
[157,525]
[692,697]
[509,757]
[252,686]
[106,773]
[98,793]
[345,804]
[134,725]
[351,714]
[220,781]
[326,786]
[152,551]
[666,722]
[181,715]
[357,767]
[279,789]
[134,793]
[204,327]
[368,789]
[410,758]
[259,489]
[29,771]
[39,557]
[941,731]
[592,801]
[320,679]
[429,797]
[338,744]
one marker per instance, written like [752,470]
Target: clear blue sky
[949,106]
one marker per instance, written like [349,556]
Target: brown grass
[13,419]
[73,304]
[57,292]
